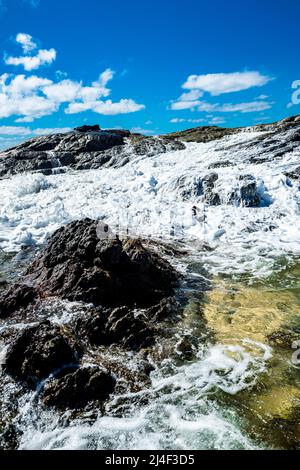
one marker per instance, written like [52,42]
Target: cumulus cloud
[124,106]
[33,97]
[28,60]
[43,57]
[221,83]
[218,83]
[26,42]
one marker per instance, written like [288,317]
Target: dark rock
[77,265]
[127,328]
[247,194]
[294,174]
[121,132]
[186,347]
[166,308]
[203,134]
[84,148]
[220,164]
[211,197]
[283,338]
[53,151]
[79,387]
[15,298]
[38,351]
[95,128]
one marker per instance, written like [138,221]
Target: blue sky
[156,66]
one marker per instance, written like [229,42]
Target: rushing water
[240,389]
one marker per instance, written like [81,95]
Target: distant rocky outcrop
[203,133]
[87,147]
[209,133]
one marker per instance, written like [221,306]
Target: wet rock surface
[77,388]
[77,265]
[38,351]
[15,298]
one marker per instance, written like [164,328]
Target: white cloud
[124,106]
[33,97]
[43,57]
[22,86]
[25,119]
[178,120]
[248,107]
[62,92]
[60,74]
[26,42]
[14,130]
[217,120]
[140,130]
[191,95]
[104,78]
[29,61]
[187,100]
[218,83]
[262,97]
[179,105]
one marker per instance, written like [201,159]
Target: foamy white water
[145,198]
[180,414]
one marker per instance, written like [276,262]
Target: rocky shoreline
[126,291]
[90,319]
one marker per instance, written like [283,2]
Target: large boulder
[38,351]
[78,265]
[45,153]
